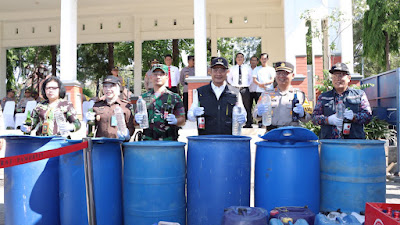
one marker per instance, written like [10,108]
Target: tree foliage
[381,26]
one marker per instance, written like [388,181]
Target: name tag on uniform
[113,121]
[45,128]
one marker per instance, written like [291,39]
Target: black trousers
[186,102]
[244,91]
[254,96]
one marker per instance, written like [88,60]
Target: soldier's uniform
[159,129]
[43,116]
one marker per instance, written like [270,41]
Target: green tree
[381,31]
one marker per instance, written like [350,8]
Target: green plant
[87,92]
[379,129]
[311,126]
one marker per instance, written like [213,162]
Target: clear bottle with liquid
[266,116]
[340,107]
[141,108]
[119,115]
[61,121]
[236,126]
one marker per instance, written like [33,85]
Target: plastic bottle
[119,115]
[28,121]
[340,107]
[295,116]
[142,109]
[266,116]
[236,127]
[60,120]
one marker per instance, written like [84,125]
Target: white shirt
[218,92]
[175,76]
[253,86]
[233,76]
[263,75]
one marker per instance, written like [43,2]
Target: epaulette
[124,101]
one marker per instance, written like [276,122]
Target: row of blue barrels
[287,173]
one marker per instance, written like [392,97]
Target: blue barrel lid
[290,133]
[155,143]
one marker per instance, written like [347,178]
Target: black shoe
[260,125]
[248,126]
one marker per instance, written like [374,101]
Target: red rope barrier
[32,157]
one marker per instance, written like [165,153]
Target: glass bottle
[91,125]
[201,121]
[28,121]
[295,116]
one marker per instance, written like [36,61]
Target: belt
[240,88]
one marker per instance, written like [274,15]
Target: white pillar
[3,70]
[200,37]
[138,58]
[68,37]
[213,35]
[346,35]
[3,65]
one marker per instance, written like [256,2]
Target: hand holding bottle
[241,119]
[262,108]
[124,135]
[348,114]
[299,109]
[194,112]
[334,120]
[66,127]
[171,118]
[26,129]
[139,118]
[90,115]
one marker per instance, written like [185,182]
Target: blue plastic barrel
[353,172]
[240,215]
[218,176]
[287,169]
[107,179]
[154,182]
[31,190]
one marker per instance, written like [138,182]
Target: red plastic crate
[374,214]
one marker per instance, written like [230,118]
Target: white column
[346,35]
[200,37]
[3,64]
[68,36]
[3,70]
[138,58]
[213,35]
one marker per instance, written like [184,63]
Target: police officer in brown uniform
[105,119]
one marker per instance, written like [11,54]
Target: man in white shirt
[173,75]
[240,76]
[264,78]
[253,87]
[216,101]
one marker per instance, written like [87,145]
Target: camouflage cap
[161,67]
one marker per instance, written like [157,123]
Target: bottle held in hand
[142,109]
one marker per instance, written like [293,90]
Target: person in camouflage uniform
[53,92]
[165,108]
